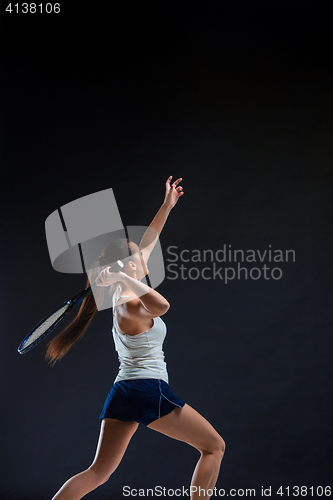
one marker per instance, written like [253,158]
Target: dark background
[236,99]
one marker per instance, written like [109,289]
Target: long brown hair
[61,344]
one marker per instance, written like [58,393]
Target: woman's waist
[137,371]
[142,361]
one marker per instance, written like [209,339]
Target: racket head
[51,321]
[45,326]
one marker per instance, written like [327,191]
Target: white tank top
[141,355]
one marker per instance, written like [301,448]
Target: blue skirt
[141,400]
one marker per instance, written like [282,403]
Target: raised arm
[149,239]
[152,301]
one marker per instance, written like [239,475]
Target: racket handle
[93,286]
[119,263]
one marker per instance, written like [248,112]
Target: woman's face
[141,268]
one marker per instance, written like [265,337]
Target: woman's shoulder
[133,318]
[134,308]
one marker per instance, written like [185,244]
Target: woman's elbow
[165,308]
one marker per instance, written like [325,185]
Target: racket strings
[46,325]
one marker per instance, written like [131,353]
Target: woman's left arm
[149,239]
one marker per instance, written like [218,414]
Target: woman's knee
[222,446]
[99,476]
[215,445]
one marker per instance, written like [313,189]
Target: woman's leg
[186,424]
[113,440]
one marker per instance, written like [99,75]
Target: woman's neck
[124,290]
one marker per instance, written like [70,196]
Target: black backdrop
[237,100]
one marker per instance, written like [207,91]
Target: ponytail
[61,344]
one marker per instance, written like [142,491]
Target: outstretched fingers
[175,183]
[177,188]
[168,182]
[173,191]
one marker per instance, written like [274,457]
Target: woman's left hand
[172,192]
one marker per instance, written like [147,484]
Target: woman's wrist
[136,286]
[151,299]
[166,207]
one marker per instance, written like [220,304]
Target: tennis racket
[52,320]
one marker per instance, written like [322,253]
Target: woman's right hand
[106,278]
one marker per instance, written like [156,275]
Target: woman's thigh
[113,441]
[186,424]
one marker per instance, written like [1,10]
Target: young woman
[141,393]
